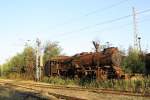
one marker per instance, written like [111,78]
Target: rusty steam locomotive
[94,65]
[147,64]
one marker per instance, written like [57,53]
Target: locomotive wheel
[116,58]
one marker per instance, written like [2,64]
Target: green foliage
[51,49]
[59,81]
[24,63]
[28,58]
[24,60]
[133,63]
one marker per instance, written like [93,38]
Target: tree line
[24,63]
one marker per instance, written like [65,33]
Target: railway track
[34,85]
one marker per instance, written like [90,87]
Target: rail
[76,88]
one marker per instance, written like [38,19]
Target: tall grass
[59,81]
[136,86]
[17,76]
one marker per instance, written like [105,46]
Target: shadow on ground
[7,93]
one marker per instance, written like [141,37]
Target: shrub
[133,63]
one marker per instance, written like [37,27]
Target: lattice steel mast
[135,29]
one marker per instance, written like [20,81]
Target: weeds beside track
[35,85]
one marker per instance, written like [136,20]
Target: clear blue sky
[61,20]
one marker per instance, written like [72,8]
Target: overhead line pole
[139,44]
[38,69]
[106,22]
[135,29]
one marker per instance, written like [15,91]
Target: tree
[133,63]
[23,62]
[28,64]
[13,64]
[51,49]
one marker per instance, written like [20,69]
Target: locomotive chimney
[96,45]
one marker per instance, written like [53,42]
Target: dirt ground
[9,92]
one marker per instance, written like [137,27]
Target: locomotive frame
[94,65]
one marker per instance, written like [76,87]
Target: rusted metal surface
[99,65]
[147,63]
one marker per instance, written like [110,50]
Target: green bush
[133,62]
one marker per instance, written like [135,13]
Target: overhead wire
[93,12]
[114,28]
[102,23]
[106,8]
[120,26]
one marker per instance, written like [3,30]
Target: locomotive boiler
[94,65]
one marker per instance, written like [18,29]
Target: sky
[72,23]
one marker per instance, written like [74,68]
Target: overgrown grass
[136,86]
[17,76]
[59,81]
